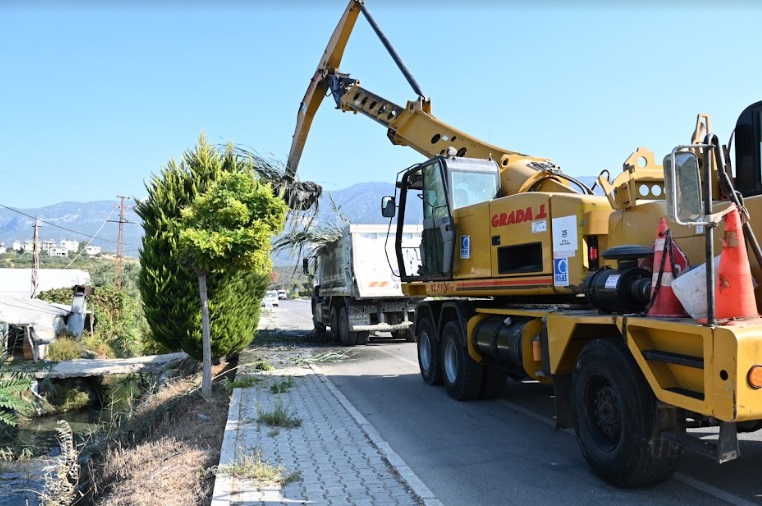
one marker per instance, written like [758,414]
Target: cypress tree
[168,286]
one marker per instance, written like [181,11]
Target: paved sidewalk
[338,458]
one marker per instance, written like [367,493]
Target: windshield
[472,187]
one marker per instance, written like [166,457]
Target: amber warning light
[755,376]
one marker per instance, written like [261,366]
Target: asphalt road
[504,451]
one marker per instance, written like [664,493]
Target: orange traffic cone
[666,303]
[734,291]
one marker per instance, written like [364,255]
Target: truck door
[437,242]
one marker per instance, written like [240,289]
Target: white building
[93,250]
[57,252]
[46,246]
[68,246]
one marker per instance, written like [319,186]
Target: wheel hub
[424,351]
[606,409]
[450,362]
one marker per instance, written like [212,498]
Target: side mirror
[387,207]
[683,188]
[306,266]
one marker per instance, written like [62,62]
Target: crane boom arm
[413,125]
[318,86]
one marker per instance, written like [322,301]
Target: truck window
[472,187]
[434,195]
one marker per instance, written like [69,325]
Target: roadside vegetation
[252,467]
[205,265]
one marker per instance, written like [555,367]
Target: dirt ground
[171,447]
[169,451]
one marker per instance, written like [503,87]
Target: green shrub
[64,348]
[97,345]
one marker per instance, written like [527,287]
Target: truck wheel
[346,337]
[428,353]
[462,375]
[320,331]
[362,337]
[617,421]
[334,324]
[493,382]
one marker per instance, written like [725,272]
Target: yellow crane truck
[527,274]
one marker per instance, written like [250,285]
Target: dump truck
[529,275]
[356,292]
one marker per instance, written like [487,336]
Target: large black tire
[429,353]
[334,323]
[617,420]
[346,337]
[320,331]
[493,382]
[461,374]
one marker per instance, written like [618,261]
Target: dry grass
[252,467]
[168,450]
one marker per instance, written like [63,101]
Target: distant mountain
[74,221]
[98,221]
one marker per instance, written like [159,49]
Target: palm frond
[305,238]
[299,195]
[8,418]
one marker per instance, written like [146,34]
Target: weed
[263,366]
[252,467]
[16,454]
[291,477]
[71,399]
[64,348]
[282,387]
[62,473]
[279,417]
[98,346]
[242,382]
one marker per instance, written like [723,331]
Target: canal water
[22,481]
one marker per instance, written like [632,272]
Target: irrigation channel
[36,442]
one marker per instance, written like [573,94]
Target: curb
[223,482]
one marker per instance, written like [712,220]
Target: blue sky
[95,100]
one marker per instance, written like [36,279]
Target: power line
[91,240]
[58,226]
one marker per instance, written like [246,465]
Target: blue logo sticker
[561,272]
[465,246]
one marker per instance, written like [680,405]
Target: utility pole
[119,265]
[36,258]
